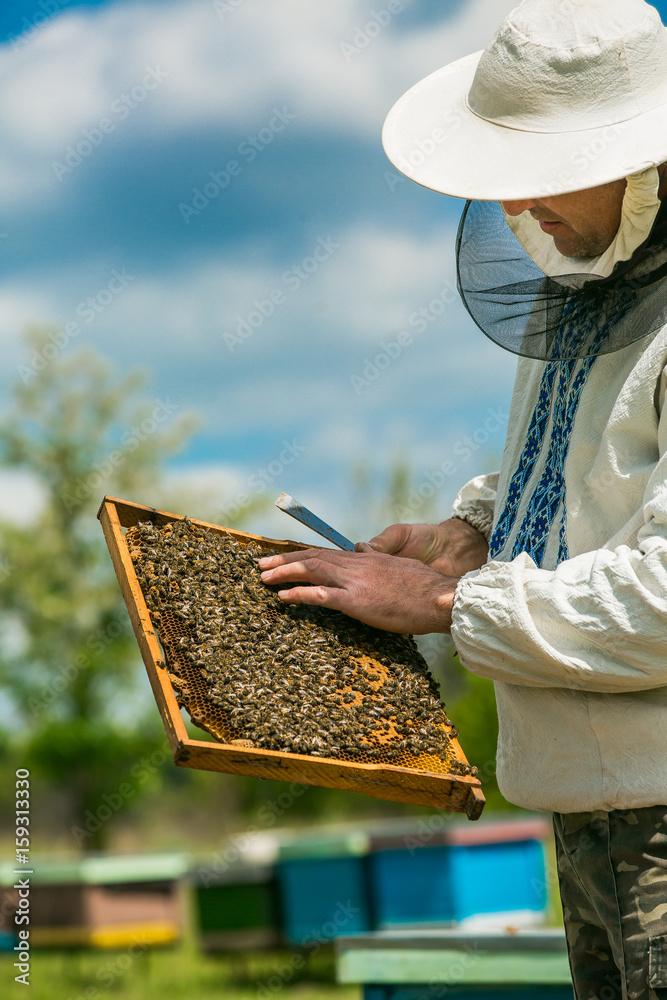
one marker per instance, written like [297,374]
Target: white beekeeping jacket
[575,637]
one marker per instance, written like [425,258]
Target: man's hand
[397,595]
[453,548]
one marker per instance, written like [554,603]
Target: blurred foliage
[68,659]
[180,974]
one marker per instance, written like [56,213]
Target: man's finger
[391,540]
[283,558]
[323,597]
[316,571]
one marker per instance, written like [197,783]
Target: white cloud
[217,72]
[301,48]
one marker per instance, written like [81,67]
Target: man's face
[583,224]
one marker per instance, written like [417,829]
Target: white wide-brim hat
[568,95]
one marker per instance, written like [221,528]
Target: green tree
[69,665]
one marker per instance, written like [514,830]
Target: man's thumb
[390,540]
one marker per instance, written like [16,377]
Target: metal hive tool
[292,692]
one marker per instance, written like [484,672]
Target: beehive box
[440,781]
[102,901]
[460,872]
[238,909]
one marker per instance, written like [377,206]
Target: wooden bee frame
[456,793]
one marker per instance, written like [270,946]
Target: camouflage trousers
[612,869]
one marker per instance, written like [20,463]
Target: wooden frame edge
[129,514]
[143,628]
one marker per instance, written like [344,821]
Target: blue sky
[224,159]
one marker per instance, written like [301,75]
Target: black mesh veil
[573,316]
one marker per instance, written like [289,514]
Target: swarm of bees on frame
[256,672]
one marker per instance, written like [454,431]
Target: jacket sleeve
[598,622]
[476,503]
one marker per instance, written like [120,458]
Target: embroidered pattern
[548,497]
[567,378]
[529,456]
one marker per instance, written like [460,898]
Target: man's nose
[517,207]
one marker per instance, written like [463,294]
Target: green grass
[175,974]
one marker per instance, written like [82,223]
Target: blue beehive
[501,877]
[7,941]
[460,872]
[411,887]
[323,888]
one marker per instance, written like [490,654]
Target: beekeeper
[552,574]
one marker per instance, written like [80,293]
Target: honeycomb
[252,671]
